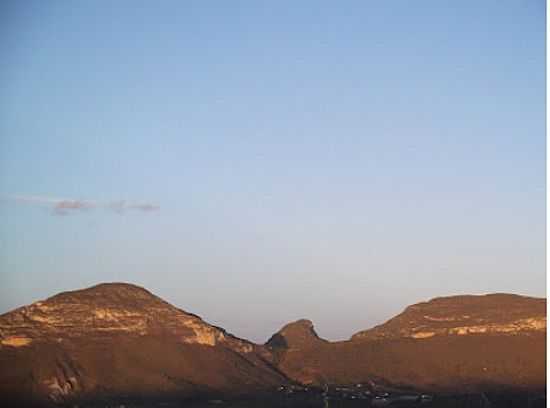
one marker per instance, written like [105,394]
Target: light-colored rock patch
[42,307]
[114,315]
[244,348]
[59,389]
[16,341]
[516,327]
[204,334]
[422,335]
[535,323]
[44,319]
[440,319]
[530,324]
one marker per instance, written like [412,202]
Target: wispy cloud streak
[122,206]
[65,206]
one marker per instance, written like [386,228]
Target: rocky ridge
[119,339]
[451,344]
[463,315]
[109,309]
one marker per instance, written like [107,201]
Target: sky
[257,162]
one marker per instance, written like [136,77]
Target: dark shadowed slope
[119,339]
[458,344]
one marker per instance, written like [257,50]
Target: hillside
[119,342]
[460,315]
[119,339]
[454,344]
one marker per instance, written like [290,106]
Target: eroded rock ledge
[464,315]
[520,326]
[108,309]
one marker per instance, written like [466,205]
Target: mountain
[120,340]
[461,315]
[451,344]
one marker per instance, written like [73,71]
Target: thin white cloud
[33,199]
[66,206]
[121,206]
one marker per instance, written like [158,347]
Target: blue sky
[334,161]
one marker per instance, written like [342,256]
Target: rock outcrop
[453,344]
[109,309]
[119,339]
[294,336]
[501,314]
[119,342]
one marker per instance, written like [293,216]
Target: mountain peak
[298,334]
[104,310]
[115,287]
[117,337]
[105,292]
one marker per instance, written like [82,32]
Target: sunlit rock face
[15,341]
[464,315]
[458,344]
[108,309]
[119,339]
